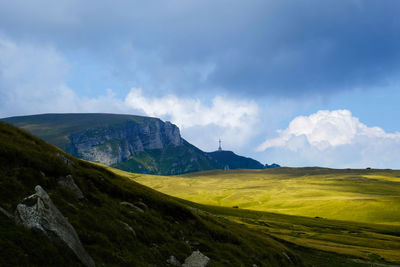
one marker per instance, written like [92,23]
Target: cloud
[334,138]
[256,48]
[29,76]
[234,119]
[33,81]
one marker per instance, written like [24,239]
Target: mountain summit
[131,143]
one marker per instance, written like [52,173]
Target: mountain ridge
[127,142]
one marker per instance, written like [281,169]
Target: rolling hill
[370,196]
[231,161]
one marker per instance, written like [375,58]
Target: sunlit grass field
[355,213]
[371,196]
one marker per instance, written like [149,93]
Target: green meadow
[370,196]
[324,212]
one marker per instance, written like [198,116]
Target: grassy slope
[169,227]
[371,196]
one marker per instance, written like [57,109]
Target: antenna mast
[219,147]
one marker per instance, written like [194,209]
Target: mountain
[131,143]
[232,161]
[57,210]
[127,142]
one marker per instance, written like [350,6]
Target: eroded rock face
[38,212]
[197,259]
[114,144]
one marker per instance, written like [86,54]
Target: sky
[298,83]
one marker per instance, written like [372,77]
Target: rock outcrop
[5,213]
[69,183]
[125,203]
[173,261]
[117,143]
[38,212]
[197,259]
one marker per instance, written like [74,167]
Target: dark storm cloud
[258,47]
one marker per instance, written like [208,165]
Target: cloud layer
[335,138]
[251,48]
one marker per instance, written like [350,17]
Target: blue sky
[300,83]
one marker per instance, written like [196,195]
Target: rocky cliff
[117,143]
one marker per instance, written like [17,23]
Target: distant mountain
[131,143]
[273,165]
[230,160]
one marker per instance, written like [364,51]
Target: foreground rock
[5,213]
[38,212]
[173,261]
[197,259]
[125,203]
[68,182]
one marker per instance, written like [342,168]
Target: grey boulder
[173,261]
[197,259]
[38,212]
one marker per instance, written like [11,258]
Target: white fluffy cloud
[334,138]
[234,120]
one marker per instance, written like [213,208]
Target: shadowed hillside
[118,221]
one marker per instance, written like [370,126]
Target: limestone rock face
[197,259]
[38,212]
[116,143]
